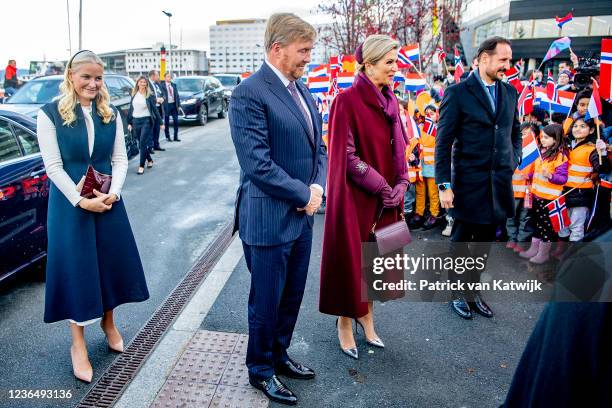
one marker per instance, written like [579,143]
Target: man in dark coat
[479,124]
[172,105]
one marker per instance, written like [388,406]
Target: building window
[546,28]
[522,29]
[578,27]
[601,25]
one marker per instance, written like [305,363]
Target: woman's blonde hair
[69,98]
[375,47]
[135,90]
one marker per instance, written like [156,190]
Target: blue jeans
[409,199]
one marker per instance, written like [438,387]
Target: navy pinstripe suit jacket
[278,158]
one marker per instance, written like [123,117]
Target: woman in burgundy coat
[367,170]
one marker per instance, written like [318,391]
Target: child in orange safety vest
[549,177]
[426,186]
[583,169]
[521,182]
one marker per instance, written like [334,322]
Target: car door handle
[38,172]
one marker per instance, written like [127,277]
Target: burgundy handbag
[94,180]
[391,237]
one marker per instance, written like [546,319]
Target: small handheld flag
[557,47]
[525,102]
[407,54]
[563,20]
[551,88]
[557,211]
[594,108]
[430,127]
[530,151]
[458,66]
[605,76]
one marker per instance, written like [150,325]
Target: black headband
[74,56]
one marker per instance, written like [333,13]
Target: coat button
[496,127]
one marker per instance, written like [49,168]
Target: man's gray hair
[286,28]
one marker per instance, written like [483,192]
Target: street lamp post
[169,14]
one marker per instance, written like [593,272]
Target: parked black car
[35,93]
[24,190]
[229,82]
[201,96]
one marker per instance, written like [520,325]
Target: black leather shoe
[275,390]
[481,307]
[168,139]
[295,370]
[461,307]
[160,149]
[177,140]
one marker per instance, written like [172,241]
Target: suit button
[496,127]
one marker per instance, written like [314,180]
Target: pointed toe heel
[352,352]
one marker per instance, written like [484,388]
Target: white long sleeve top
[52,158]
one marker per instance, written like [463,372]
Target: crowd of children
[574,163]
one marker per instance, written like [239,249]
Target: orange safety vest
[541,186]
[428,143]
[414,172]
[580,169]
[520,180]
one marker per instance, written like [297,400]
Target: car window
[9,149]
[115,87]
[38,91]
[28,141]
[127,86]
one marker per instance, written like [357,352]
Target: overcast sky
[35,29]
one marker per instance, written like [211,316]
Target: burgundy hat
[359,54]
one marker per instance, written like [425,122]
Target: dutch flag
[345,80]
[414,82]
[530,152]
[594,109]
[318,85]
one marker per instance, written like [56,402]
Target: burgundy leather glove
[397,195]
[387,196]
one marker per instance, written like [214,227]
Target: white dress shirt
[52,158]
[170,91]
[286,82]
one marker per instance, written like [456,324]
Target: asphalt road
[176,209]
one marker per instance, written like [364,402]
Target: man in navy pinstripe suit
[276,130]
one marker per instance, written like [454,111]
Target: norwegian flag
[525,102]
[458,66]
[514,76]
[564,20]
[407,54]
[605,77]
[430,127]
[441,54]
[551,88]
[557,211]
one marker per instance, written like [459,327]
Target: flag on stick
[564,20]
[557,211]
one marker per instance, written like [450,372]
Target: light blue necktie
[491,89]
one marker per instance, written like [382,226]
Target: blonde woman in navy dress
[93,263]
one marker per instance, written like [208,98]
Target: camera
[587,68]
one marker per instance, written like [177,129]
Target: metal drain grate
[116,378]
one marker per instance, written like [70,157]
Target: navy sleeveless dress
[93,264]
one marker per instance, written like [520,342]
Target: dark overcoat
[486,148]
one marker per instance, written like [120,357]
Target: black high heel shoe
[351,352]
[377,342]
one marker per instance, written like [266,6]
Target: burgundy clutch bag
[391,237]
[94,180]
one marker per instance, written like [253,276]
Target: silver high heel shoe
[377,342]
[351,352]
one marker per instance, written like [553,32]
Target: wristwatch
[444,186]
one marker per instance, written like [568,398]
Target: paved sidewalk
[432,357]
